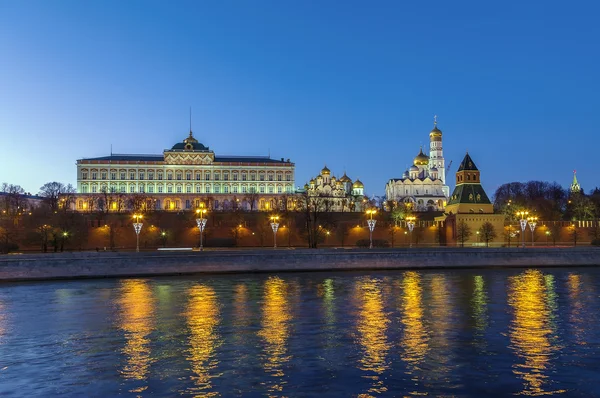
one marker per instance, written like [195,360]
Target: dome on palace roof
[421,159]
[358,184]
[190,144]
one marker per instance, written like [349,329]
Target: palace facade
[424,184]
[187,176]
[340,195]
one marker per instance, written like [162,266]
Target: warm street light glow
[410,223]
[523,220]
[371,224]
[275,227]
[137,227]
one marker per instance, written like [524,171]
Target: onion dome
[421,159]
[435,134]
[358,184]
[312,181]
[305,186]
[405,175]
[413,168]
[345,178]
[325,171]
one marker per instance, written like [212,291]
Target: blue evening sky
[353,85]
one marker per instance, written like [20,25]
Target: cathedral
[423,185]
[344,194]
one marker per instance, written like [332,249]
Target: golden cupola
[325,171]
[421,159]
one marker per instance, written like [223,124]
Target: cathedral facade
[423,185]
[187,176]
[341,194]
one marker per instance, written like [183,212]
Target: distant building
[344,194]
[575,187]
[183,178]
[469,203]
[424,184]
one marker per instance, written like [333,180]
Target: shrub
[376,243]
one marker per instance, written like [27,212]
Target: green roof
[469,193]
[467,164]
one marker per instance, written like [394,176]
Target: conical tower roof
[467,164]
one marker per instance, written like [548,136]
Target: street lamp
[532,224]
[547,235]
[410,222]
[274,227]
[371,223]
[201,222]
[137,227]
[523,220]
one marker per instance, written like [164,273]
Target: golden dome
[435,132]
[325,171]
[345,178]
[312,182]
[421,159]
[358,184]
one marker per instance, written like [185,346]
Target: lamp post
[547,234]
[274,227]
[371,223]
[532,224]
[137,227]
[201,222]
[523,220]
[410,222]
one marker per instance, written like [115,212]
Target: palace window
[207,176]
[188,189]
[226,176]
[261,177]
[151,176]
[235,176]
[198,176]
[252,189]
[142,188]
[167,204]
[123,189]
[235,189]
[84,189]
[279,189]
[252,177]
[178,188]
[94,175]
[279,177]
[122,176]
[244,176]
[150,188]
[270,177]
[262,189]
[198,189]
[132,176]
[270,189]
[188,176]
[160,189]
[169,176]
[160,176]
[225,189]
[141,175]
[132,189]
[103,175]
[188,205]
[84,176]
[207,189]
[113,176]
[217,189]
[217,176]
[244,190]
[288,177]
[179,176]
[169,189]
[94,189]
[288,189]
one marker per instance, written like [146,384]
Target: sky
[353,85]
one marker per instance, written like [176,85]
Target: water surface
[451,333]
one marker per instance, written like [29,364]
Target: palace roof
[161,158]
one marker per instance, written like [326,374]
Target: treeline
[546,200]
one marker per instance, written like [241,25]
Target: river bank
[27,267]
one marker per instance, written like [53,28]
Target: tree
[487,231]
[252,198]
[342,231]
[463,232]
[57,195]
[316,219]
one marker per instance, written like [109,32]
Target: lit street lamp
[137,227]
[201,222]
[532,224]
[523,214]
[410,222]
[275,227]
[371,223]
[547,235]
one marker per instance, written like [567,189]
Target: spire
[191,122]
[575,187]
[434,121]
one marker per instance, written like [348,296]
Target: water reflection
[3,321]
[137,313]
[326,291]
[372,327]
[276,318]
[415,341]
[441,324]
[479,304]
[531,331]
[202,317]
[576,306]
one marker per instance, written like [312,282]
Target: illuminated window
[235,176]
[160,176]
[169,189]
[235,189]
[84,176]
[217,176]
[198,176]
[123,189]
[94,189]
[270,189]
[225,189]
[262,189]
[188,176]
[103,175]
[279,189]
[244,190]
[270,177]
[169,176]
[188,189]
[207,189]
[217,189]
[141,175]
[226,177]
[244,176]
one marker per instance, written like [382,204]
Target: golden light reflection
[440,325]
[479,304]
[275,332]
[531,331]
[372,327]
[416,337]
[202,317]
[327,292]
[137,311]
[240,306]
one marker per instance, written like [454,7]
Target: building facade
[424,184]
[187,176]
[340,194]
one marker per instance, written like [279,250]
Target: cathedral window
[470,196]
[468,177]
[478,197]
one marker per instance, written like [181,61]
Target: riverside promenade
[24,267]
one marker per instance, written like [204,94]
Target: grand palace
[187,176]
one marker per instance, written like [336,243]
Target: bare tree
[463,232]
[57,195]
[487,231]
[252,198]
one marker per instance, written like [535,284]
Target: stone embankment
[129,264]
